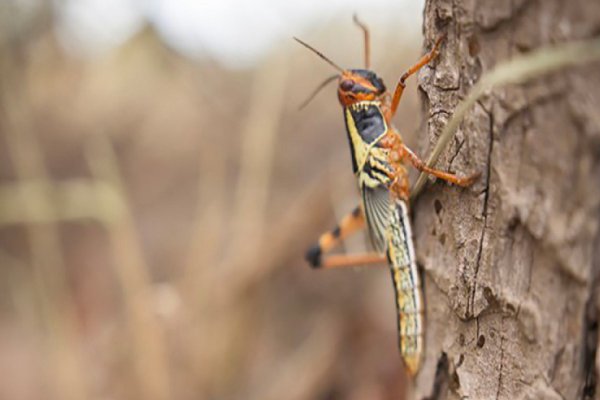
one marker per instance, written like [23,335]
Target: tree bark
[511,264]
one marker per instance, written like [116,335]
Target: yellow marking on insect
[362,150]
[368,181]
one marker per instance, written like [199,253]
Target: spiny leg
[422,62]
[367,41]
[329,240]
[448,177]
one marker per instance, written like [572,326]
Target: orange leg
[329,240]
[352,260]
[448,177]
[400,86]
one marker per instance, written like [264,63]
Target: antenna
[317,52]
[317,90]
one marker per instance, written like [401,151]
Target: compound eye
[346,85]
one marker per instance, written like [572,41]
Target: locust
[379,161]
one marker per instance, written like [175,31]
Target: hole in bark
[488,295]
[511,308]
[438,206]
[481,341]
[474,46]
[513,223]
[443,239]
[461,359]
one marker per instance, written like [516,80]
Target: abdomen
[407,286]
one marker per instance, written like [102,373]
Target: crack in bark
[458,148]
[439,112]
[501,359]
[530,275]
[590,341]
[446,89]
[555,363]
[471,304]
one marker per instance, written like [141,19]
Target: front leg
[401,85]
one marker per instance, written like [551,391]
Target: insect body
[378,158]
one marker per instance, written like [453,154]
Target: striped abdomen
[407,286]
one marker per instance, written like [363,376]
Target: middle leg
[464,181]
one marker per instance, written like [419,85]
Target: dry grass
[153,217]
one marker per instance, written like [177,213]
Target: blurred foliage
[154,211]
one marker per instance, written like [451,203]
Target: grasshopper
[379,156]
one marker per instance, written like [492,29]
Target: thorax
[366,127]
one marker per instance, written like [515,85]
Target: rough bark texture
[511,263]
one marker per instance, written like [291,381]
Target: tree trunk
[511,263]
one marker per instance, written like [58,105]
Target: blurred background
[158,189]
